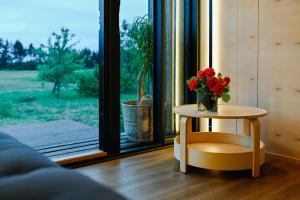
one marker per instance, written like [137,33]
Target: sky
[33,21]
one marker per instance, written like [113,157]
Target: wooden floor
[156,175]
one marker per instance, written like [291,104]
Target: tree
[18,52]
[60,60]
[1,50]
[31,50]
[96,57]
[90,58]
[5,58]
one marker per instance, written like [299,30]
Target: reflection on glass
[169,65]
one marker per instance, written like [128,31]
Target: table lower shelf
[219,151]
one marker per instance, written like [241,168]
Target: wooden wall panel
[257,43]
[247,54]
[225,51]
[278,75]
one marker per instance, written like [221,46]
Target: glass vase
[207,102]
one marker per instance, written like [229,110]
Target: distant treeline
[15,56]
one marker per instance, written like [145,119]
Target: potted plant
[209,88]
[137,113]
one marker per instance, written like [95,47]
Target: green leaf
[219,75]
[226,98]
[226,90]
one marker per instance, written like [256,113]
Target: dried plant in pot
[138,114]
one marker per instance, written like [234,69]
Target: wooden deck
[57,138]
[45,134]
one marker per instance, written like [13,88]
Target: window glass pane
[169,65]
[49,78]
[136,84]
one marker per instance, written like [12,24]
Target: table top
[224,112]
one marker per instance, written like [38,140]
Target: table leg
[185,129]
[256,148]
[247,127]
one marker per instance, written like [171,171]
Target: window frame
[109,45]
[109,96]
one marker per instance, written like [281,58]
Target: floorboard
[156,175]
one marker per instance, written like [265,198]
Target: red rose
[209,72]
[201,74]
[212,82]
[218,89]
[226,81]
[193,84]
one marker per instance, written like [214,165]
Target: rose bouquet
[209,87]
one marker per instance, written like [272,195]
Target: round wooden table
[219,150]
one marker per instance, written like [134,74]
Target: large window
[49,74]
[67,87]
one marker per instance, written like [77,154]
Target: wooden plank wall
[278,75]
[258,46]
[247,54]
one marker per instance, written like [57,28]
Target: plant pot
[207,102]
[138,122]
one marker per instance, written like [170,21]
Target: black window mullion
[190,49]
[190,45]
[110,77]
[159,91]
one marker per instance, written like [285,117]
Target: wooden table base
[186,130]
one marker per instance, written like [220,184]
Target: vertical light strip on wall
[216,35]
[216,45]
[203,52]
[210,33]
[204,33]
[179,37]
[173,61]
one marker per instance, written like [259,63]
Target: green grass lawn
[24,98]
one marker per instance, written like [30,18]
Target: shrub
[5,108]
[29,65]
[88,83]
[127,80]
